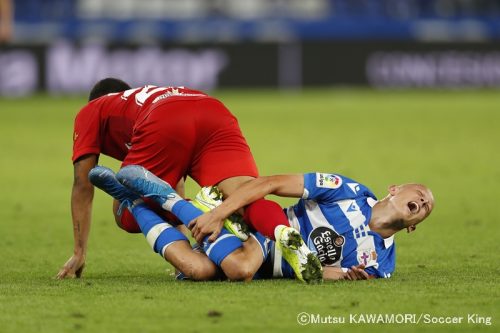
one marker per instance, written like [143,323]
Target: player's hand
[72,268]
[205,225]
[357,273]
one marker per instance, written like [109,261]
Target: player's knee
[240,273]
[200,271]
[237,268]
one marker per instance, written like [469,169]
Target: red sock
[264,216]
[128,223]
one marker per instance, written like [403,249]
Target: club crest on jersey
[328,245]
[327,180]
[367,257]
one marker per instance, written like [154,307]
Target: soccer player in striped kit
[345,226]
[340,219]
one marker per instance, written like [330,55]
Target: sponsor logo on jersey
[327,180]
[128,145]
[367,257]
[75,136]
[328,245]
[353,207]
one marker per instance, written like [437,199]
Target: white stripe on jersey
[292,219]
[315,215]
[352,211]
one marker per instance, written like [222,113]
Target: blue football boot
[105,179]
[143,182]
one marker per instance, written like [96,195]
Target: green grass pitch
[449,140]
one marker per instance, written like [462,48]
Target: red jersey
[105,125]
[172,132]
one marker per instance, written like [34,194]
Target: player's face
[413,203]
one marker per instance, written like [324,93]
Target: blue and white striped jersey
[333,217]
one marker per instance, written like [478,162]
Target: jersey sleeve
[328,187]
[86,134]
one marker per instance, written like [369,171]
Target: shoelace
[153,189]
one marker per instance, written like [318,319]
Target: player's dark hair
[107,86]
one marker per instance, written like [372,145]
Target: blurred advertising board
[65,67]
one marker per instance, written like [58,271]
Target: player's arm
[281,185]
[352,274]
[82,195]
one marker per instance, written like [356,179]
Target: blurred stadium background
[64,46]
[427,111]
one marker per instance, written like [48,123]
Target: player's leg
[226,251]
[125,220]
[143,182]
[289,241]
[243,263]
[162,237]
[222,157]
[172,245]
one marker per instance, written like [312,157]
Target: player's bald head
[412,202]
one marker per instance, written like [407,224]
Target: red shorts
[196,137]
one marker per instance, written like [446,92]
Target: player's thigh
[221,149]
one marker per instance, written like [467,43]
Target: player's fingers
[356,271]
[192,225]
[214,236]
[199,237]
[60,275]
[362,275]
[352,275]
[65,274]
[194,232]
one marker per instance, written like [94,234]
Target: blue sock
[159,234]
[223,246]
[185,211]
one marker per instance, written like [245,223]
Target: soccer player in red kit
[172,132]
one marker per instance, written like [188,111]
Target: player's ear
[411,228]
[392,189]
